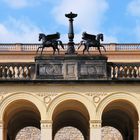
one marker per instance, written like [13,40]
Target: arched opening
[28,133]
[69,133]
[17,115]
[111,133]
[123,116]
[71,113]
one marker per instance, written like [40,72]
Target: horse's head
[100,37]
[41,36]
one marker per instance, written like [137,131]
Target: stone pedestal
[71,67]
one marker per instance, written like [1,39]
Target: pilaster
[138,130]
[46,130]
[1,130]
[95,129]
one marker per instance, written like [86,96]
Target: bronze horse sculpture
[50,41]
[90,40]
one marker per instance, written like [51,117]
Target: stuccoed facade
[53,104]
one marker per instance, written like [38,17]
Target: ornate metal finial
[71,49]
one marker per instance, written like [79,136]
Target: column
[138,130]
[135,133]
[1,131]
[46,130]
[95,130]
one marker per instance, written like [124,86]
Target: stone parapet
[71,67]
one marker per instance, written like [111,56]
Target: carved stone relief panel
[71,68]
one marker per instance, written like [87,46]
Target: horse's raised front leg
[42,50]
[88,50]
[38,49]
[54,50]
[85,49]
[80,45]
[99,50]
[58,50]
[104,48]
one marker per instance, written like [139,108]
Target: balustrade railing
[127,47]
[33,47]
[26,71]
[124,71]
[17,71]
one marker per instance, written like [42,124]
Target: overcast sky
[22,20]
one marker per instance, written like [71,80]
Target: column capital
[1,124]
[46,123]
[138,124]
[95,123]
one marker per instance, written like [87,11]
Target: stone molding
[1,124]
[87,89]
[46,124]
[95,123]
[139,124]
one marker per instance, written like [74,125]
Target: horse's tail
[61,44]
[81,43]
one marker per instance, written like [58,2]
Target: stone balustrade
[128,71]
[33,47]
[29,71]
[16,71]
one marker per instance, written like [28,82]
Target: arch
[72,96]
[118,96]
[23,96]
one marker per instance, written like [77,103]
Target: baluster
[0,71]
[135,72]
[5,72]
[25,72]
[22,72]
[130,71]
[14,72]
[28,72]
[119,72]
[125,71]
[18,71]
[11,73]
[138,71]
[114,72]
[8,72]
